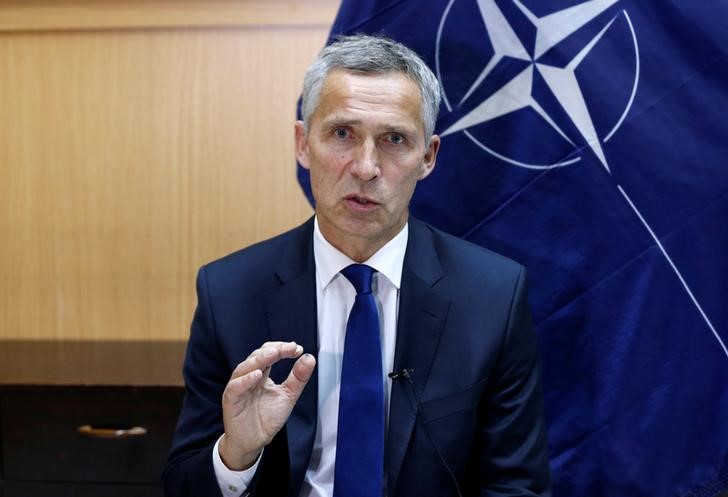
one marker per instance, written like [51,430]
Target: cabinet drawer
[41,441]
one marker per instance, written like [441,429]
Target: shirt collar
[387,261]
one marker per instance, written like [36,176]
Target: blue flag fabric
[589,141]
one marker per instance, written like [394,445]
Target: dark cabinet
[101,425]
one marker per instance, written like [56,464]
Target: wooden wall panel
[55,15]
[129,157]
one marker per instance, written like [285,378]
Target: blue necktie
[359,470]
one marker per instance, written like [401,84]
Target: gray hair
[371,54]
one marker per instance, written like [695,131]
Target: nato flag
[588,140]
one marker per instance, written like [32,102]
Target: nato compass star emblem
[523,45]
[533,48]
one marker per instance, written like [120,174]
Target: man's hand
[254,408]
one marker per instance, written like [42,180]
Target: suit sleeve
[514,460]
[189,471]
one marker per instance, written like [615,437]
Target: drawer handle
[111,432]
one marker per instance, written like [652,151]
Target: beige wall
[138,140]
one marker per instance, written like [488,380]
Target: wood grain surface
[129,157]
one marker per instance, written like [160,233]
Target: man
[363,290]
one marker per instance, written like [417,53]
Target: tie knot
[360,275]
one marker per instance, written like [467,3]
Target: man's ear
[301,145]
[428,162]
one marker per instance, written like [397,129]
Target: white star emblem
[517,94]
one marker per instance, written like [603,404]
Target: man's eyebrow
[337,121]
[340,121]
[402,130]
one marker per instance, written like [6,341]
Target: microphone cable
[412,397]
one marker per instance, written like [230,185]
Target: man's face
[366,150]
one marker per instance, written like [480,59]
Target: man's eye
[341,133]
[396,138]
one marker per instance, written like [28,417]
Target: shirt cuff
[232,483]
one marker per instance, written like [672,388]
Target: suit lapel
[422,314]
[291,311]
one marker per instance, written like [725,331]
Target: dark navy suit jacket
[463,328]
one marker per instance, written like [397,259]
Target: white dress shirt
[335,298]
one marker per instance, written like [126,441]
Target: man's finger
[289,350]
[267,355]
[300,374]
[240,386]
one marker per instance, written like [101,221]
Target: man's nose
[366,164]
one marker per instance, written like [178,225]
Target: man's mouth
[360,201]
